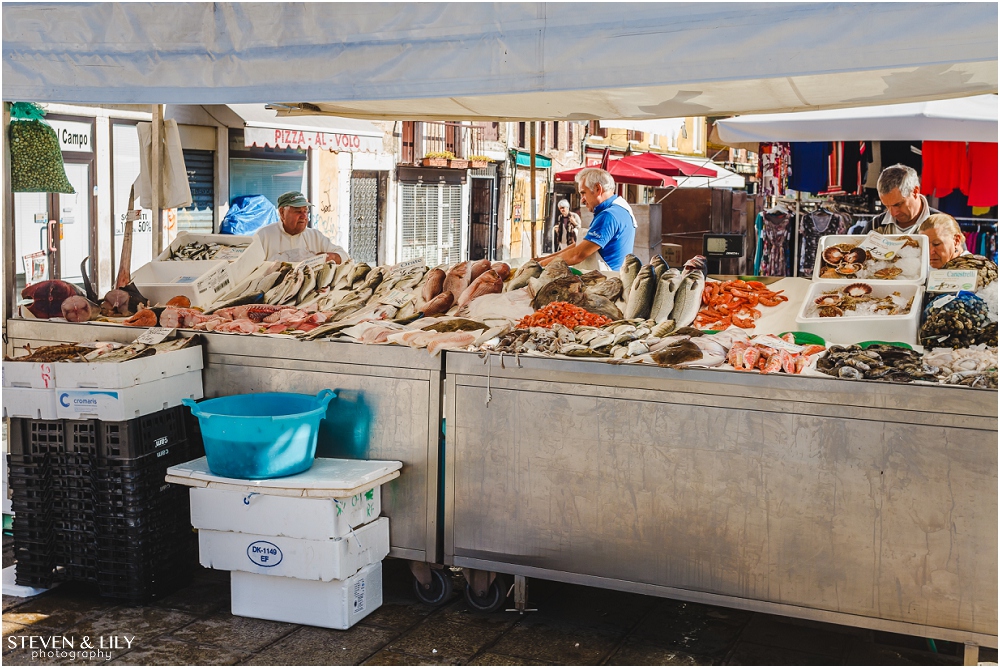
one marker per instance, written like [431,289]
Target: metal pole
[9,254]
[155,178]
[534,202]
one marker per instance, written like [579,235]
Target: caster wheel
[492,601]
[439,590]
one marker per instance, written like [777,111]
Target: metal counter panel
[400,388]
[735,485]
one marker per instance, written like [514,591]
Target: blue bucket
[256,436]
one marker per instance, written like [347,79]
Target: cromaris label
[86,402]
[263,553]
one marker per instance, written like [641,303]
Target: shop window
[407,154]
[431,223]
[596,129]
[555,135]
[543,136]
[124,171]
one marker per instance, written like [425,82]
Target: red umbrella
[624,173]
[663,164]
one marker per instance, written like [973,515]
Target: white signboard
[328,141]
[74,136]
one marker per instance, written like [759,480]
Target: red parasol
[624,173]
[664,164]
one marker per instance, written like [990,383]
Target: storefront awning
[541,162]
[263,127]
[501,61]
[623,172]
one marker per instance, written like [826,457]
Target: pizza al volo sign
[328,141]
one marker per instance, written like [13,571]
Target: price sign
[155,335]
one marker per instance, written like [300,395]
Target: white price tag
[881,248]
[404,267]
[951,280]
[778,344]
[155,335]
[942,301]
[397,298]
[230,253]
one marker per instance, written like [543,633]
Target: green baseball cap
[293,198]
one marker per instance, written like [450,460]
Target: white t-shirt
[279,245]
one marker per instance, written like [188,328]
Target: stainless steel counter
[861,503]
[389,405]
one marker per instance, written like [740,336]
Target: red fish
[48,297]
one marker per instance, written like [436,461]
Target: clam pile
[955,322]
[857,299]
[842,261]
[877,362]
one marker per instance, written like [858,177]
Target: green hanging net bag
[36,163]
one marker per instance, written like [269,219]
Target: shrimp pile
[765,356]
[734,303]
[563,313]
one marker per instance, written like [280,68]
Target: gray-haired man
[906,208]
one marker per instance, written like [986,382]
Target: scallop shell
[849,269]
[829,300]
[830,312]
[888,272]
[833,255]
[855,256]
[858,289]
[829,272]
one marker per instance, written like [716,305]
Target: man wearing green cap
[291,239]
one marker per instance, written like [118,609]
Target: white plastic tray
[327,478]
[39,375]
[129,402]
[854,329]
[24,402]
[855,239]
[113,375]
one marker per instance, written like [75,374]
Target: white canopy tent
[965,119]
[524,61]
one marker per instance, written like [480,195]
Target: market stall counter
[389,405]
[863,503]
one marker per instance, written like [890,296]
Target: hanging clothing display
[814,225]
[901,153]
[946,168]
[874,164]
[772,168]
[844,162]
[982,174]
[808,170]
[776,236]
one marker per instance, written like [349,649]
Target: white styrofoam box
[339,604]
[328,478]
[128,402]
[25,402]
[327,559]
[213,278]
[39,375]
[112,375]
[854,240]
[855,329]
[316,519]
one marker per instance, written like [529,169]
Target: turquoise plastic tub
[257,436]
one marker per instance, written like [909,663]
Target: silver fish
[308,284]
[640,298]
[527,271]
[687,300]
[666,290]
[358,274]
[325,274]
[628,272]
[342,276]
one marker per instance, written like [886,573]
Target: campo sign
[328,141]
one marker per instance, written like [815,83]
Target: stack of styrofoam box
[305,549]
[114,391]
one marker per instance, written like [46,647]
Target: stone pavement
[574,625]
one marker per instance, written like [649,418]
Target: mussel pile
[877,362]
[954,323]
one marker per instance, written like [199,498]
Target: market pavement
[574,625]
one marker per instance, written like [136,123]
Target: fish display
[204,251]
[735,302]
[877,362]
[47,297]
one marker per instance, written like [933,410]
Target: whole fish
[308,284]
[565,289]
[610,288]
[555,269]
[342,276]
[687,300]
[640,298]
[679,354]
[433,285]
[478,268]
[325,274]
[666,290]
[487,283]
[457,280]
[439,304]
[358,274]
[373,279]
[657,261]
[601,306]
[502,269]
[628,272]
[527,271]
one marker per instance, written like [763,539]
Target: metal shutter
[198,218]
[431,225]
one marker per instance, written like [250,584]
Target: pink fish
[487,284]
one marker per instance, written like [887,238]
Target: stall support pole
[795,233]
[155,178]
[9,254]
[534,201]
[971,657]
[521,595]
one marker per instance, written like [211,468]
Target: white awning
[723,179]
[965,119]
[501,61]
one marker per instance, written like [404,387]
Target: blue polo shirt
[612,230]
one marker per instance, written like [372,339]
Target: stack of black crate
[91,504]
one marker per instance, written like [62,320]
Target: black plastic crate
[28,466]
[73,463]
[143,435]
[36,437]
[73,508]
[32,575]
[82,437]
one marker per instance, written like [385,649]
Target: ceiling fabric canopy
[500,61]
[965,119]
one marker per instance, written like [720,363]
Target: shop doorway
[363,239]
[482,218]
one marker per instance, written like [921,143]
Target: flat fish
[527,271]
[680,353]
[455,325]
[609,288]
[666,290]
[601,306]
[457,280]
[628,272]
[565,289]
[640,298]
[487,283]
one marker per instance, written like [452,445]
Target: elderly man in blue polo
[291,239]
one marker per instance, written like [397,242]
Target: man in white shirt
[291,239]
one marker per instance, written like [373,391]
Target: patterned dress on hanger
[777,231]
